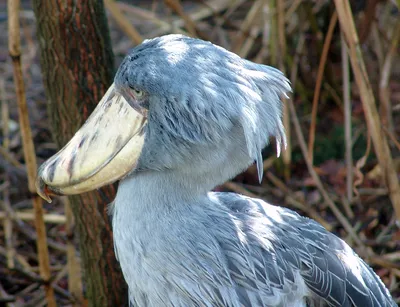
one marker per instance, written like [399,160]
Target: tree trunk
[77,66]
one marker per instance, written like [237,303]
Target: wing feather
[283,245]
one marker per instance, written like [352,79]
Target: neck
[158,188]
[155,189]
[189,181]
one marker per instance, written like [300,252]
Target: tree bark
[77,66]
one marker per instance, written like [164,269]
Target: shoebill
[183,116]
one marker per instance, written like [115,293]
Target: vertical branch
[303,146]
[241,44]
[274,36]
[123,22]
[347,120]
[265,32]
[7,223]
[368,100]
[320,73]
[190,25]
[286,154]
[384,94]
[29,152]
[73,264]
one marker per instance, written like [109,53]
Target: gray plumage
[210,113]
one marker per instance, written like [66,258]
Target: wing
[281,245]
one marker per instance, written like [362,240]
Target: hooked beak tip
[42,189]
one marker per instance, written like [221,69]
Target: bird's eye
[138,93]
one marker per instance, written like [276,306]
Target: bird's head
[176,103]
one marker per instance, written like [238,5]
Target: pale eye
[138,93]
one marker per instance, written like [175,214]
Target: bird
[183,116]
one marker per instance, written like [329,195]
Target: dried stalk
[377,44]
[341,218]
[123,22]
[190,25]
[29,152]
[245,27]
[30,216]
[368,20]
[286,154]
[249,43]
[274,35]
[262,55]
[293,7]
[367,97]
[392,138]
[5,116]
[384,92]
[8,229]
[233,186]
[5,298]
[162,25]
[10,159]
[294,201]
[7,223]
[320,74]
[73,264]
[347,121]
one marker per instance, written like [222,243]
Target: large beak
[104,150]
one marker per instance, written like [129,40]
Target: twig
[347,208]
[249,42]
[176,6]
[382,261]
[320,73]
[154,18]
[368,20]
[286,154]
[360,163]
[8,229]
[30,216]
[268,163]
[296,202]
[239,189]
[262,55]
[5,115]
[123,22]
[9,158]
[273,42]
[377,44]
[367,97]
[296,60]
[211,8]
[293,7]
[7,223]
[241,47]
[29,152]
[28,232]
[5,298]
[384,92]
[392,138]
[342,219]
[73,264]
[38,279]
[384,233]
[347,121]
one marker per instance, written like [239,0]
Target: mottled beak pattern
[104,150]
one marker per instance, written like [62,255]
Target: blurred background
[343,122]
